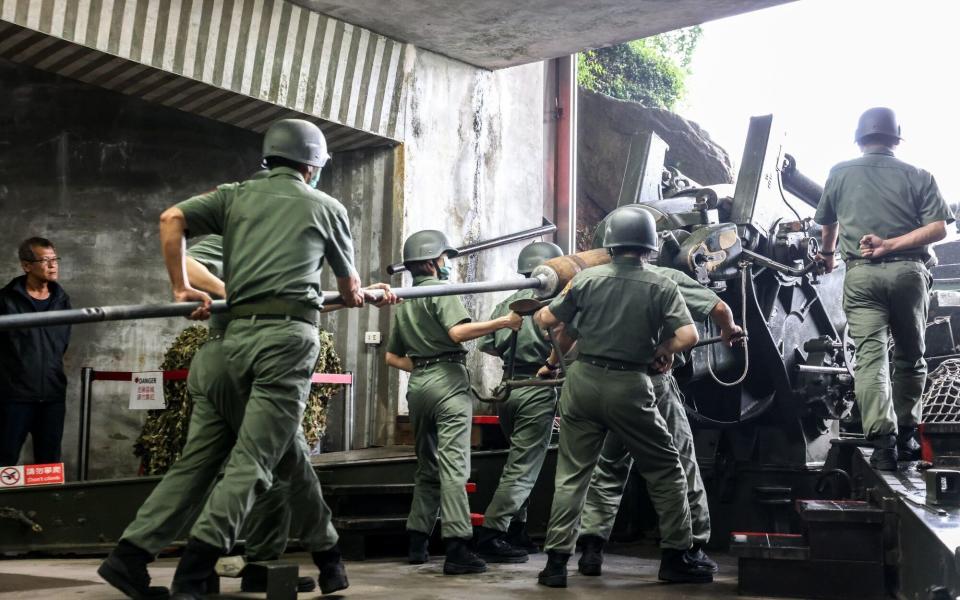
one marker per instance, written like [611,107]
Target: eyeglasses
[47,261]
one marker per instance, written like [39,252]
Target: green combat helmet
[428,244]
[628,227]
[601,229]
[534,255]
[877,120]
[297,140]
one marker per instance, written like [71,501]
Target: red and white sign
[147,391]
[26,475]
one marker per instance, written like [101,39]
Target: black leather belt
[276,309]
[617,365]
[452,357]
[853,262]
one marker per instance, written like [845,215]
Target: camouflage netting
[941,400]
[165,431]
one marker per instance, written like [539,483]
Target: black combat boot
[418,552]
[461,560]
[195,568]
[518,538]
[884,457]
[333,575]
[591,561]
[698,556]
[493,547]
[908,447]
[126,569]
[554,574]
[678,566]
[255,581]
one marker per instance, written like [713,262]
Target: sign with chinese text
[26,475]
[146,391]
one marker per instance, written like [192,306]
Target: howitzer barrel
[799,184]
[503,240]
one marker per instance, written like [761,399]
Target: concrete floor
[624,577]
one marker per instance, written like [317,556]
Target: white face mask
[315,179]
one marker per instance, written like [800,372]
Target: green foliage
[651,71]
[165,431]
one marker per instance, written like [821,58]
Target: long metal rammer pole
[181,309]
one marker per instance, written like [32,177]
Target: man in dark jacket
[32,382]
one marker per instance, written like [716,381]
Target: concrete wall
[473,168]
[92,170]
[365,181]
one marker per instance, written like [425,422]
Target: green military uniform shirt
[262,258]
[209,253]
[532,347]
[700,300]
[618,329]
[421,325]
[881,195]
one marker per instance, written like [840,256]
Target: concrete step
[361,500]
[778,564]
[842,529]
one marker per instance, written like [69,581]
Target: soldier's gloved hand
[388,296]
[732,336]
[662,360]
[188,294]
[873,246]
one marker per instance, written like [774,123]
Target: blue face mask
[443,273]
[315,179]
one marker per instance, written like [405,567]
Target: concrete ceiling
[504,33]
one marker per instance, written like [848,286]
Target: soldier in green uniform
[173,507]
[277,233]
[613,468]
[628,321]
[886,213]
[427,341]
[526,418]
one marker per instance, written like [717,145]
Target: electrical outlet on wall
[372,338]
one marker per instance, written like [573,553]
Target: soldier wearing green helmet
[526,418]
[629,320]
[885,214]
[277,232]
[426,340]
[613,467]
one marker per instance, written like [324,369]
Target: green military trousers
[884,299]
[217,415]
[596,400]
[527,420]
[613,468]
[274,359]
[441,412]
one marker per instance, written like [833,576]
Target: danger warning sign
[26,475]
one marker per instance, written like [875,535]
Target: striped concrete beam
[243,62]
